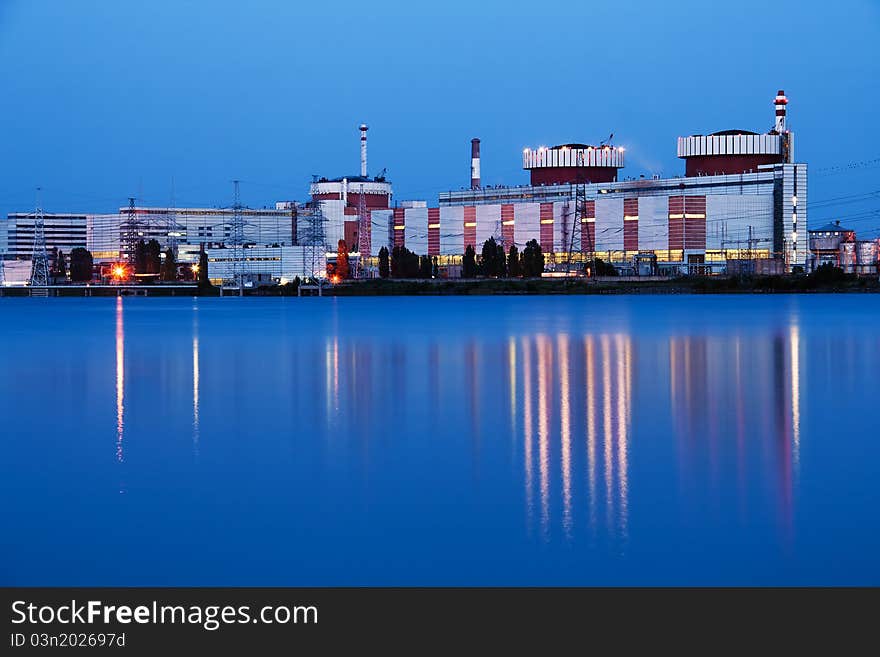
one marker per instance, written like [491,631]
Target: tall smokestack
[364,149]
[475,163]
[780,102]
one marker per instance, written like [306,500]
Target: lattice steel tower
[363,244]
[130,233]
[171,226]
[39,257]
[573,222]
[315,239]
[236,240]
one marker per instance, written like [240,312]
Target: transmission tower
[39,257]
[130,233]
[363,232]
[171,223]
[236,240]
[315,240]
[573,222]
[2,272]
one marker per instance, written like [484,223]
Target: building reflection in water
[565,430]
[794,343]
[120,380]
[527,426]
[576,404]
[734,412]
[748,387]
[195,368]
[331,376]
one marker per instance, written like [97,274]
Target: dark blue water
[527,441]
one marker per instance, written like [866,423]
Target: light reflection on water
[566,441]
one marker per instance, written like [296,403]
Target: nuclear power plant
[739,204]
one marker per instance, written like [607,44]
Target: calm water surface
[533,441]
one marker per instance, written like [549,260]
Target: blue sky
[103,99]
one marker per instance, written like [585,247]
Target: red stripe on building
[433,233]
[470,226]
[695,222]
[588,228]
[676,222]
[507,233]
[630,225]
[372,201]
[399,220]
[349,234]
[546,228]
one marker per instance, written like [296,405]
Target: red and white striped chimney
[475,163]
[780,102]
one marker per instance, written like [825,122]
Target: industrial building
[740,206]
[836,245]
[743,197]
[63,232]
[180,226]
[351,205]
[184,229]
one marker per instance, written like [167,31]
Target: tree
[154,257]
[425,267]
[384,265]
[489,258]
[169,267]
[60,268]
[513,265]
[342,260]
[532,260]
[501,259]
[469,263]
[404,263]
[603,268]
[140,257]
[396,262]
[80,265]
[827,273]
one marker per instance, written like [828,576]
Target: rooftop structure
[573,163]
[738,151]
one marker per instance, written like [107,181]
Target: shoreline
[846,284]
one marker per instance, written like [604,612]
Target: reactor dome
[573,164]
[738,151]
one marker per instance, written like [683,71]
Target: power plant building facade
[742,198]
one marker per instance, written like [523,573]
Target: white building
[189,226]
[277,263]
[64,232]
